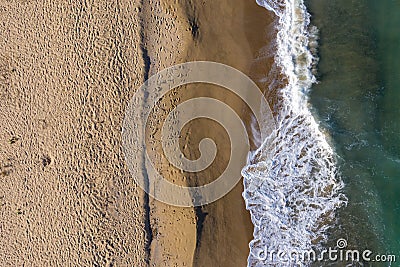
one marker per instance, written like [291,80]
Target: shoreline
[233,33]
[68,72]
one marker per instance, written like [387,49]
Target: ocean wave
[292,186]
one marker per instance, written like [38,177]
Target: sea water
[357,99]
[332,169]
[292,184]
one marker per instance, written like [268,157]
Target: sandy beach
[67,73]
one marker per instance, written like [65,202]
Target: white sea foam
[292,188]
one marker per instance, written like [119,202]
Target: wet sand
[236,41]
[67,72]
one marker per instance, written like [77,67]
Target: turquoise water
[357,101]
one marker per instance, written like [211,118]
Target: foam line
[292,186]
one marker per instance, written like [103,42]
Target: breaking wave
[292,186]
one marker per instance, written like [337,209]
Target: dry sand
[67,72]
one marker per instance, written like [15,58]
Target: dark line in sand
[194,27]
[200,218]
[149,231]
[146,71]
[147,62]
[192,18]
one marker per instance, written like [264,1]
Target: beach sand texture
[67,72]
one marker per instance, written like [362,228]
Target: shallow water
[355,104]
[291,184]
